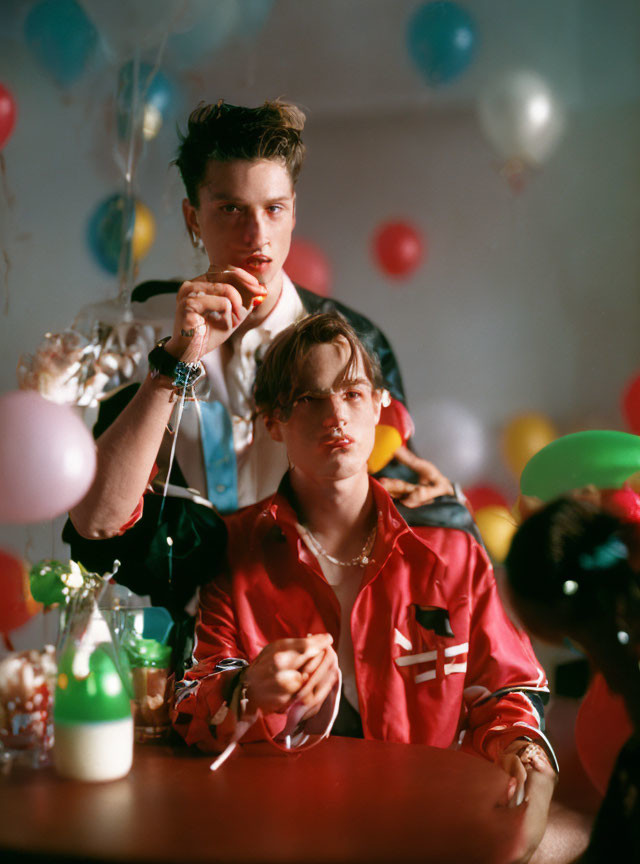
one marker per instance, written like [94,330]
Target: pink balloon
[47,458]
[309,267]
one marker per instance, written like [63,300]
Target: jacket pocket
[426,647]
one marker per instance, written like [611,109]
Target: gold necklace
[359,560]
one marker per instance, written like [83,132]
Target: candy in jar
[26,696]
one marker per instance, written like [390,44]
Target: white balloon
[133,25]
[452,437]
[47,458]
[202,30]
[521,117]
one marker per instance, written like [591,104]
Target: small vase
[93,724]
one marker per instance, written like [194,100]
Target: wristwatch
[162,363]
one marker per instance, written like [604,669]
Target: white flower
[74,578]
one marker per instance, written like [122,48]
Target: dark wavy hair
[225,132]
[277,380]
[568,562]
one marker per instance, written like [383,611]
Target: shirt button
[221,488]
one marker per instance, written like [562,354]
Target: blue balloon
[61,38]
[106,230]
[157,92]
[442,40]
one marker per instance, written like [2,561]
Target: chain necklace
[359,560]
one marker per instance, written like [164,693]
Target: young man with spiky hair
[239,166]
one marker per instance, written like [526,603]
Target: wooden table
[343,801]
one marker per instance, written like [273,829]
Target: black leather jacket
[172,577]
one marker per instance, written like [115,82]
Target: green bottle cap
[95,698]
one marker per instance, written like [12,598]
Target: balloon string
[5,278]
[135,142]
[180,409]
[10,201]
[8,195]
[200,340]
[134,129]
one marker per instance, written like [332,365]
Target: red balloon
[631,404]
[485,496]
[398,248]
[602,727]
[14,607]
[8,112]
[623,503]
[307,265]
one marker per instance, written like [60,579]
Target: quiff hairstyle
[277,384]
[225,132]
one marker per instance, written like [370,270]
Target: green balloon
[602,458]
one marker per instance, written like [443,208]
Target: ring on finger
[188,333]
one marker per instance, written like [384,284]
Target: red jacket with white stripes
[435,653]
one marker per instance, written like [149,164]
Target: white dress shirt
[261,462]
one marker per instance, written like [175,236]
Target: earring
[196,241]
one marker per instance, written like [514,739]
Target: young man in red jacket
[327,595]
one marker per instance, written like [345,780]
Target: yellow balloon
[523,436]
[387,441]
[144,231]
[497,527]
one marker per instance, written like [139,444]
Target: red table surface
[345,800]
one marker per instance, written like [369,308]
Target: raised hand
[209,308]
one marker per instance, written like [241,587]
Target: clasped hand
[431,482]
[299,671]
[520,760]
[529,791]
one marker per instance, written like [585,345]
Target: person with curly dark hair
[574,571]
